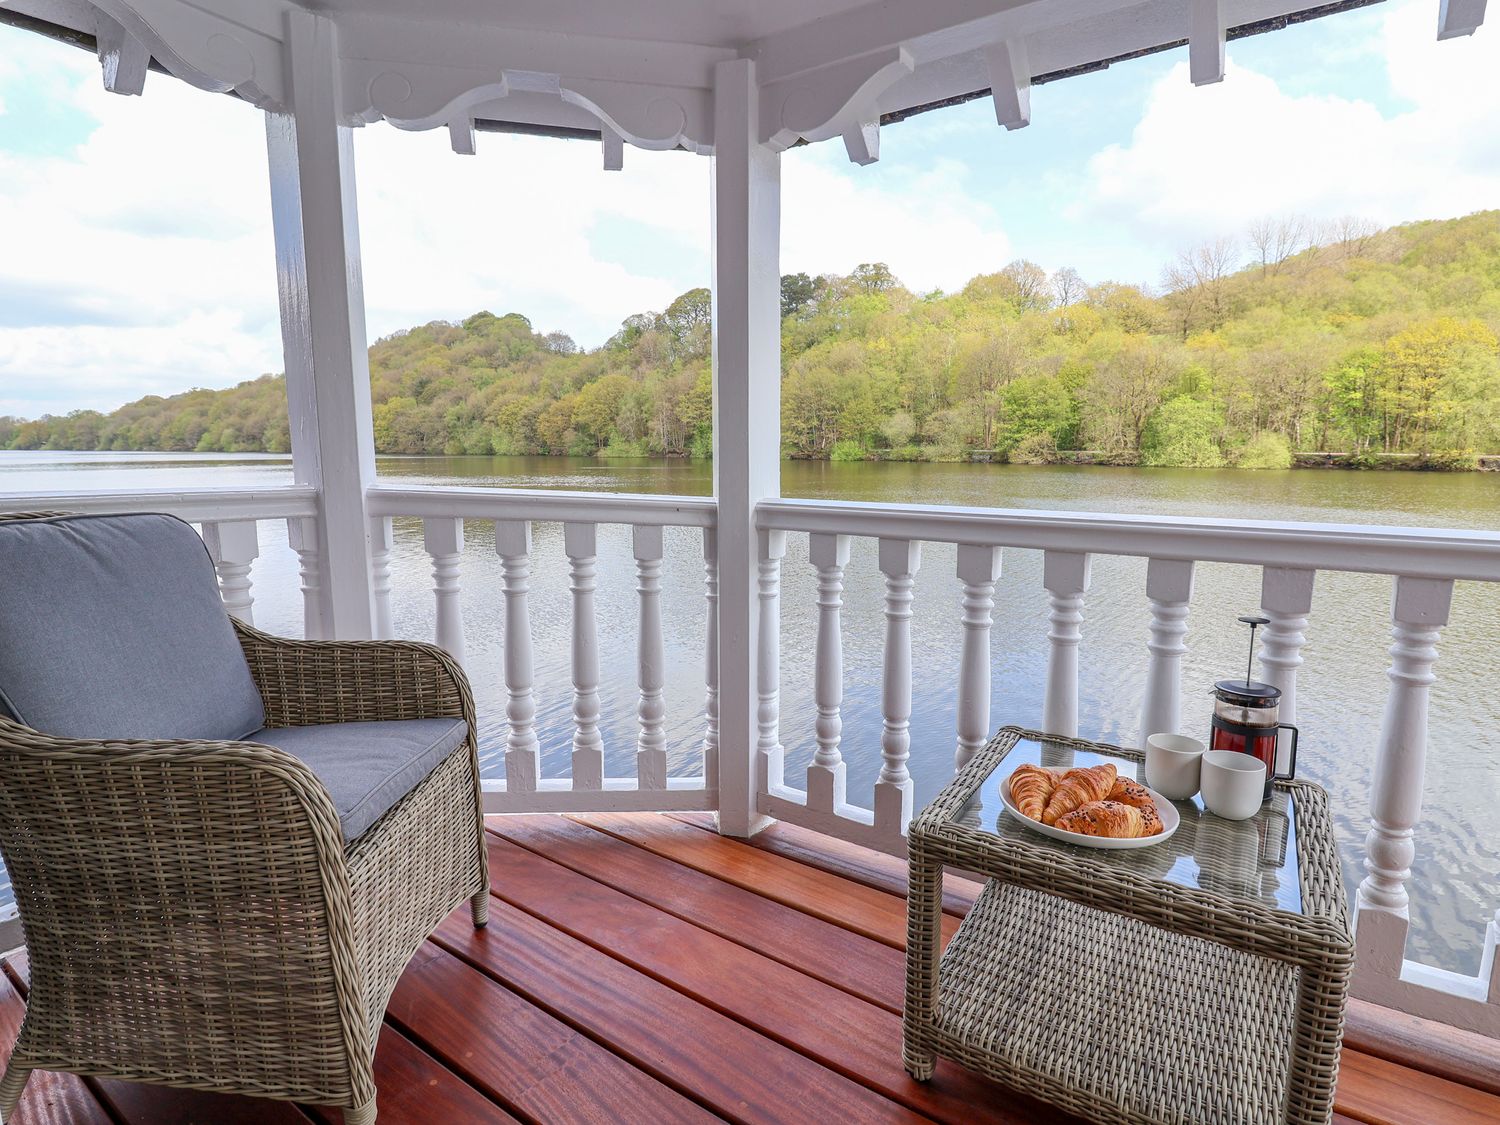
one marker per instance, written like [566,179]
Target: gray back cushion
[112,627]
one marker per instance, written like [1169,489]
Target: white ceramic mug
[1233,784]
[1172,765]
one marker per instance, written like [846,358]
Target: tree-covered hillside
[1351,339]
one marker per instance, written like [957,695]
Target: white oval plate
[1170,819]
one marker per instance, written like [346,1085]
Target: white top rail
[1417,552]
[195,505]
[542,504]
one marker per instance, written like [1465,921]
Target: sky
[135,238]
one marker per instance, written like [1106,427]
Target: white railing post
[770,755]
[747,413]
[711,660]
[978,570]
[1285,600]
[580,541]
[522,764]
[651,745]
[826,775]
[382,541]
[1066,577]
[899,561]
[302,534]
[1169,588]
[1419,609]
[444,540]
[234,545]
[315,218]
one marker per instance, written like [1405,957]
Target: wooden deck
[638,968]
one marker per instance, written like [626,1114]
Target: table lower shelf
[1115,1019]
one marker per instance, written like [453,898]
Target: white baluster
[443,536]
[1169,588]
[770,754]
[581,544]
[651,745]
[234,545]
[302,534]
[711,660]
[1286,599]
[382,540]
[899,561]
[978,570]
[1418,611]
[522,765]
[1066,577]
[826,774]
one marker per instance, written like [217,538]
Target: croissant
[1030,786]
[1106,818]
[1077,788]
[1130,792]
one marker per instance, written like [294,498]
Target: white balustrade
[1285,600]
[522,764]
[580,541]
[444,540]
[382,541]
[978,569]
[826,776]
[1169,588]
[770,757]
[651,745]
[234,545]
[302,534]
[1066,578]
[899,562]
[711,660]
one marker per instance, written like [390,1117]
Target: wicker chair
[195,914]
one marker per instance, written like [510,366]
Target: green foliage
[1265,451]
[1375,343]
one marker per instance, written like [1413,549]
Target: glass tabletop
[1253,860]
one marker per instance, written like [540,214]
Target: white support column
[711,660]
[522,761]
[122,57]
[1459,17]
[1066,577]
[747,413]
[978,570]
[1286,600]
[580,541]
[826,776]
[1010,83]
[315,219]
[1206,34]
[1169,588]
[302,534]
[1419,609]
[443,536]
[899,561]
[234,545]
[770,755]
[651,745]
[382,541]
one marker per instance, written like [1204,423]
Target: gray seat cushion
[368,767]
[112,627]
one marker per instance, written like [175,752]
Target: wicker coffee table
[1199,980]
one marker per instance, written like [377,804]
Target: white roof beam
[1459,17]
[1010,83]
[862,141]
[461,136]
[614,149]
[1206,28]
[123,58]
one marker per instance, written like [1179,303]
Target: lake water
[1341,690]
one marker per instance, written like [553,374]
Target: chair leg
[480,906]
[361,1114]
[11,1086]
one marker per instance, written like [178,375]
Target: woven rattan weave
[1114,989]
[191,912]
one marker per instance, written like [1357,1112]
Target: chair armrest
[306,682]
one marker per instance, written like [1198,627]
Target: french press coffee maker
[1246,718]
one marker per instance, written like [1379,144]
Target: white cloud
[1203,162]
